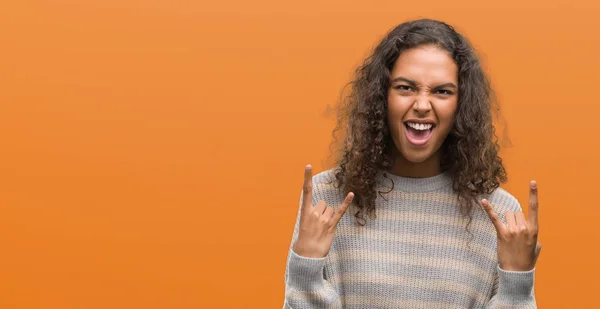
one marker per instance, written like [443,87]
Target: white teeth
[419,126]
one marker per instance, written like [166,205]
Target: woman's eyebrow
[412,83]
[446,85]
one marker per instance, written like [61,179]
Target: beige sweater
[414,254]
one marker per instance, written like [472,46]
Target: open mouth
[418,134]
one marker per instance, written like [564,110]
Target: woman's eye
[444,92]
[403,87]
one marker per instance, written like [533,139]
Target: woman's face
[422,102]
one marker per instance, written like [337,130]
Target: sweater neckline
[414,185]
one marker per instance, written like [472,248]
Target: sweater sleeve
[305,284]
[513,289]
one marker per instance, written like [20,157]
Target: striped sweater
[415,254]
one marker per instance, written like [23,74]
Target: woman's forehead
[431,66]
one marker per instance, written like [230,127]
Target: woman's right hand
[317,223]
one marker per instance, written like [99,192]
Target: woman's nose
[422,104]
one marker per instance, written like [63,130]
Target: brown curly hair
[470,151]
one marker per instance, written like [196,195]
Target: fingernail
[533,184]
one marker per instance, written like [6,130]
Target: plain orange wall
[152,151]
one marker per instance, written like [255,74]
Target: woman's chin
[416,155]
[417,158]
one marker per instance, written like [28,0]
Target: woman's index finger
[342,209]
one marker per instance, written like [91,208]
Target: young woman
[419,172]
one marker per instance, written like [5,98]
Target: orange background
[152,151]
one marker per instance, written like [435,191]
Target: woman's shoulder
[502,201]
[324,186]
[326,177]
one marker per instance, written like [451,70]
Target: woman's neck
[428,168]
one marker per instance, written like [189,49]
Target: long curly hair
[469,152]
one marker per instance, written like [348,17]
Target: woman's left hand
[518,248]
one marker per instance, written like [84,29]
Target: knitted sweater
[416,253]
